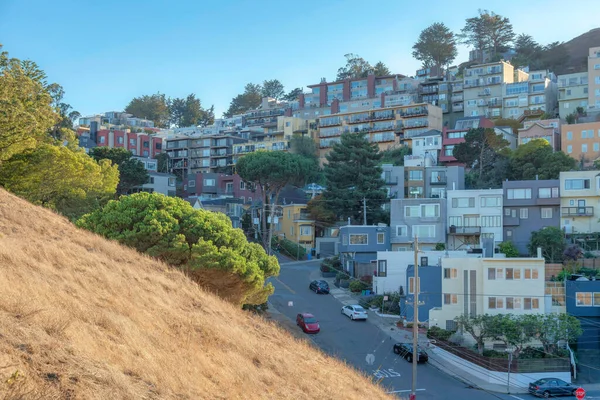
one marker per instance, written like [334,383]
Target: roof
[430,132]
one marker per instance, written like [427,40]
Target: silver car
[355,312]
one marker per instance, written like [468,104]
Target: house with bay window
[424,218]
[359,246]
[580,204]
[475,220]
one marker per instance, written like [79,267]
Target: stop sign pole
[580,393]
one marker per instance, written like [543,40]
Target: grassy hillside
[84,318]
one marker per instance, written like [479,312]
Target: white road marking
[406,391]
[385,373]
[370,359]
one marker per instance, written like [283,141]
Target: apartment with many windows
[423,218]
[580,202]
[536,93]
[572,93]
[594,78]
[581,141]
[475,220]
[293,222]
[529,206]
[477,286]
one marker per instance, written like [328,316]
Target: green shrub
[440,247]
[588,254]
[435,332]
[375,301]
[326,268]
[291,249]
[367,280]
[588,271]
[341,276]
[357,286]
[410,325]
[494,353]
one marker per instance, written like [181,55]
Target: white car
[355,312]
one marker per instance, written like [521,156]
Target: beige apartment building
[548,129]
[484,87]
[594,78]
[581,141]
[572,93]
[388,127]
[536,94]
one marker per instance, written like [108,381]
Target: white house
[498,285]
[475,219]
[160,183]
[392,265]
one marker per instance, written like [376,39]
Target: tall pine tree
[352,173]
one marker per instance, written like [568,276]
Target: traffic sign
[580,393]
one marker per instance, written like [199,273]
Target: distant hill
[82,317]
[578,50]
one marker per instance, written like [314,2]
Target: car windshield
[359,309]
[310,320]
[324,284]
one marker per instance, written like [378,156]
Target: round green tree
[201,243]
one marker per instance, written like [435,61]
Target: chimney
[539,252]
[348,220]
[453,185]
[536,177]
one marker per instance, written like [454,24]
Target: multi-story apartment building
[295,223]
[483,88]
[387,127]
[538,92]
[529,206]
[477,286]
[159,183]
[212,185]
[116,118]
[594,78]
[580,203]
[572,93]
[548,129]
[424,218]
[581,141]
[422,181]
[140,144]
[452,137]
[475,219]
[426,149]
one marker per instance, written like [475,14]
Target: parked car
[551,387]
[308,323]
[319,287]
[405,350]
[355,312]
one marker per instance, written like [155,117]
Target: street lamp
[510,351]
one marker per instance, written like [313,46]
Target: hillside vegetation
[85,318]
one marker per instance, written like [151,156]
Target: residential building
[359,246]
[580,203]
[426,149]
[421,181]
[548,129]
[594,78]
[393,267]
[475,220]
[159,183]
[483,88]
[572,93]
[536,93]
[150,164]
[581,141]
[424,218]
[116,119]
[230,206]
[295,223]
[140,144]
[452,137]
[583,302]
[388,127]
[529,206]
[212,185]
[477,286]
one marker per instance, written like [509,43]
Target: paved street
[363,344]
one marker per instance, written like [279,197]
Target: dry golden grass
[84,318]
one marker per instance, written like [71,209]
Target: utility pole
[364,211]
[416,288]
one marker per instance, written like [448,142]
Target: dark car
[319,287]
[405,350]
[308,323]
[551,387]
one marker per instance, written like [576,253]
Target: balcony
[438,180]
[577,211]
[302,216]
[456,97]
[464,230]
[220,153]
[458,107]
[495,103]
[413,112]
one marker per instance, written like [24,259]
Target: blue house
[583,302]
[359,246]
[430,293]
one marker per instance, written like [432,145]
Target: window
[102,139]
[242,185]
[547,193]
[491,274]
[546,213]
[450,273]
[450,298]
[510,303]
[430,210]
[424,231]
[411,285]
[517,302]
[171,182]
[507,212]
[361,238]
[192,183]
[415,175]
[518,194]
[120,140]
[132,142]
[509,274]
[531,273]
[249,199]
[584,148]
[380,238]
[597,299]
[305,230]
[577,184]
[508,233]
[491,201]
[494,303]
[412,211]
[456,221]
[463,202]
[499,273]
[471,220]
[382,268]
[401,230]
[569,149]
[583,134]
[209,182]
[491,221]
[596,146]
[524,213]
[345,240]
[584,299]
[531,303]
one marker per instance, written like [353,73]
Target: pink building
[548,129]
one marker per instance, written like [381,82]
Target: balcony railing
[577,211]
[302,216]
[464,230]
[457,107]
[438,180]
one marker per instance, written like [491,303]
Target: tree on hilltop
[436,46]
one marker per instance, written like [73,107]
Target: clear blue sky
[106,52]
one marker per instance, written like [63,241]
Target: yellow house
[294,223]
[580,201]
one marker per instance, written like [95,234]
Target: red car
[308,323]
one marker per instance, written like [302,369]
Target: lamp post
[415,358]
[509,350]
